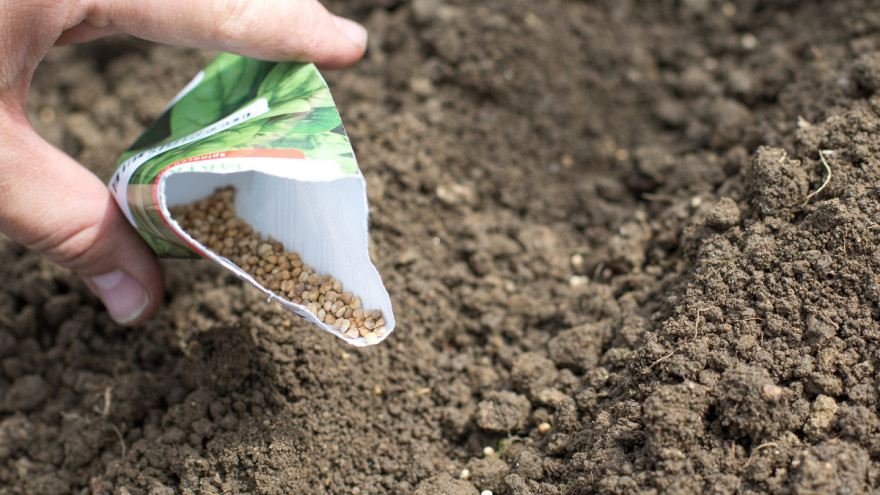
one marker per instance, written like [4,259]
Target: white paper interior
[324,221]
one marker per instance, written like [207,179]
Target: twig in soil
[756,449]
[827,179]
[121,440]
[655,363]
[107,401]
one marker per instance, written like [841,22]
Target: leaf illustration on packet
[253,160]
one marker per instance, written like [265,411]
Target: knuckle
[231,18]
[71,248]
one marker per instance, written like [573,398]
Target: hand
[53,205]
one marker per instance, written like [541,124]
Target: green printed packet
[272,131]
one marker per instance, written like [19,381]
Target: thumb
[269,29]
[53,205]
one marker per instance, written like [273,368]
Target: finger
[264,29]
[83,32]
[55,206]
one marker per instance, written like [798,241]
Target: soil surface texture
[633,247]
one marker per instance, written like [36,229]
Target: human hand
[52,204]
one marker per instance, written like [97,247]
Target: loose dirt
[610,217]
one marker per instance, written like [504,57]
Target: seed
[345,325]
[543,428]
[212,222]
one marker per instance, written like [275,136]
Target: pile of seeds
[212,222]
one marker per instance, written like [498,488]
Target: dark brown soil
[606,216]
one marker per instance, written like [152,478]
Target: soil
[607,217]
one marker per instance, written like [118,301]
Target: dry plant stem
[212,222]
[756,449]
[655,363]
[825,183]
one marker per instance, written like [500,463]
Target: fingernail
[124,298]
[352,30]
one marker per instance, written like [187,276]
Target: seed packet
[271,131]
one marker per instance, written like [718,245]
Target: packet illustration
[272,132]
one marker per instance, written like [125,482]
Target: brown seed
[212,222]
[370,338]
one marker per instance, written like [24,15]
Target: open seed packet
[255,157]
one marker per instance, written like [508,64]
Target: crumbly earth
[608,216]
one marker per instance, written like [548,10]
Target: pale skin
[54,205]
